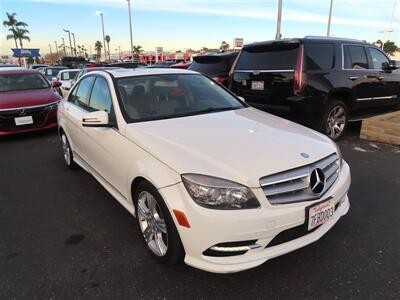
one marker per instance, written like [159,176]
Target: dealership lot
[62,235]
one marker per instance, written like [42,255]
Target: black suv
[318,81]
[216,65]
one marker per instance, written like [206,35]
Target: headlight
[51,106]
[217,193]
[339,153]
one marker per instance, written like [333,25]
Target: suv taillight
[298,74]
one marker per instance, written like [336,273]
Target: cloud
[253,9]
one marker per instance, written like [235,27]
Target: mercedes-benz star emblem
[317,181]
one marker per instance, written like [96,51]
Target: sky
[182,24]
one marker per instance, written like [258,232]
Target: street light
[55,42]
[328,32]
[99,13]
[73,35]
[65,53]
[69,35]
[130,26]
[51,54]
[278,35]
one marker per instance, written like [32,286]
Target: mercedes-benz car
[212,182]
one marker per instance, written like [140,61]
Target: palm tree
[107,38]
[21,34]
[137,49]
[98,46]
[79,50]
[224,46]
[12,23]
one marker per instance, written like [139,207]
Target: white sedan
[212,181]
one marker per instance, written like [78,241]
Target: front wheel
[334,120]
[156,225]
[67,152]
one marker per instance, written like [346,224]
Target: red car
[182,65]
[27,101]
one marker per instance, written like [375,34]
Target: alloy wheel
[336,122]
[66,150]
[152,224]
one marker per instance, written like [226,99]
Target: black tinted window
[212,65]
[378,58]
[17,82]
[269,57]
[319,56]
[355,57]
[80,96]
[100,98]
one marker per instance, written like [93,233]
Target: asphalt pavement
[63,236]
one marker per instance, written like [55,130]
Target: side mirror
[96,119]
[388,66]
[242,98]
[56,84]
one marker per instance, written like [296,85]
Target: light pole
[51,54]
[69,35]
[65,53]
[99,13]
[73,35]
[130,26]
[55,42]
[328,31]
[278,35]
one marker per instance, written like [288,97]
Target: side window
[378,58]
[72,95]
[320,56]
[355,57]
[80,96]
[100,98]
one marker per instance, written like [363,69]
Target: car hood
[240,145]
[15,99]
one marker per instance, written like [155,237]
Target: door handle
[380,77]
[353,78]
[371,76]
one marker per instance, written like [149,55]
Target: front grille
[294,185]
[39,113]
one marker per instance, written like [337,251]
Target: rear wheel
[334,120]
[156,225]
[67,152]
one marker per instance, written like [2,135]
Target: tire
[156,225]
[334,120]
[67,153]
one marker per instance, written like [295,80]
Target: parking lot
[63,236]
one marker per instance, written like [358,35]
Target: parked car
[37,66]
[182,65]
[27,101]
[161,64]
[66,77]
[212,181]
[51,72]
[216,66]
[87,70]
[129,65]
[9,66]
[321,82]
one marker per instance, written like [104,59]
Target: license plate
[320,213]
[257,85]
[23,120]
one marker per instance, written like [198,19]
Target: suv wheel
[67,152]
[334,120]
[156,225]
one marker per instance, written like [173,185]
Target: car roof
[120,73]
[69,70]
[17,70]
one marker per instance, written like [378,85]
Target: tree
[108,39]
[21,34]
[137,49]
[98,46]
[224,46]
[390,47]
[30,60]
[12,23]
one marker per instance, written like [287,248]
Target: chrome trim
[235,249]
[377,98]
[261,71]
[29,107]
[294,185]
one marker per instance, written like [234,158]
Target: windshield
[212,65]
[68,75]
[269,57]
[53,71]
[15,82]
[169,96]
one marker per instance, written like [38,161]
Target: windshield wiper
[212,109]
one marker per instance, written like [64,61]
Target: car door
[75,108]
[103,146]
[387,90]
[361,80]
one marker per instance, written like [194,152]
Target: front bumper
[211,227]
